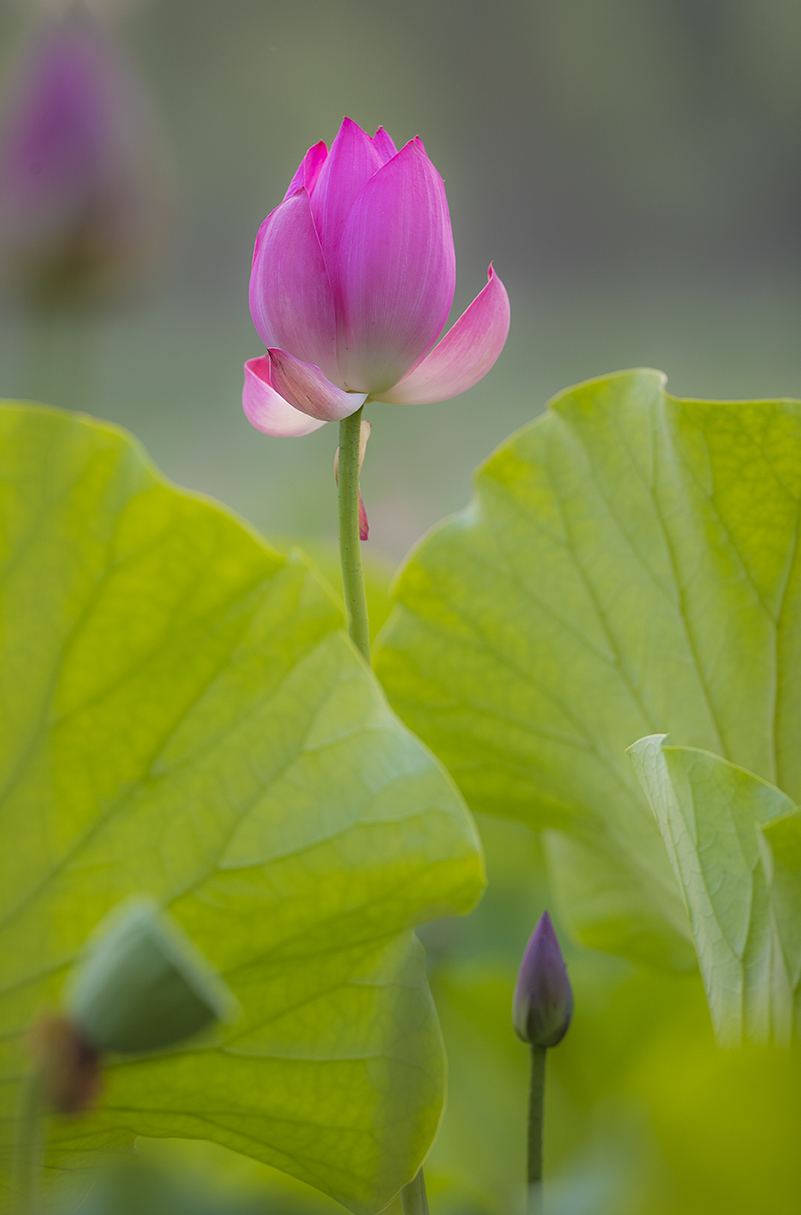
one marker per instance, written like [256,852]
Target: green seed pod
[143,986]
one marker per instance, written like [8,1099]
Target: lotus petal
[291,298]
[465,354]
[307,389]
[266,409]
[396,272]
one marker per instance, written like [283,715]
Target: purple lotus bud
[85,198]
[543,999]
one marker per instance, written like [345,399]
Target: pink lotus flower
[352,282]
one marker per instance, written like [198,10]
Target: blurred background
[633,168]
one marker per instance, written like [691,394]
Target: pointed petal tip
[414,146]
[308,170]
[350,164]
[350,125]
[384,144]
[544,929]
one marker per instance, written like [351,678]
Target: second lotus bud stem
[541,1013]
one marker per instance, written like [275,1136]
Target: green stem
[28,1145]
[413,1196]
[350,554]
[535,1119]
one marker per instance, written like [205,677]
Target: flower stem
[413,1196]
[28,1146]
[350,555]
[535,1119]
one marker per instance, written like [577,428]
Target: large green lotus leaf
[182,715]
[708,811]
[628,566]
[781,858]
[605,897]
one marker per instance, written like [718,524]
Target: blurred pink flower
[352,281]
[86,199]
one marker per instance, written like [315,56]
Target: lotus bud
[352,281]
[143,986]
[543,999]
[85,197]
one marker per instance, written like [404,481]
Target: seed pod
[143,986]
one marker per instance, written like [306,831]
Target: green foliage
[781,858]
[134,1189]
[645,1115]
[183,717]
[628,566]
[749,950]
